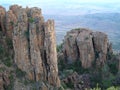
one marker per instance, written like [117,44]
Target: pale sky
[68,6]
[43,1]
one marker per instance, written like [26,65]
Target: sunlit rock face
[34,42]
[87,46]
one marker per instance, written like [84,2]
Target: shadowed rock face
[2,18]
[86,46]
[119,62]
[34,42]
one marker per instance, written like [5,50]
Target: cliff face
[34,42]
[86,46]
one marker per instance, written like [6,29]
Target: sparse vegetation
[31,20]
[2,69]
[110,88]
[20,73]
[59,47]
[26,34]
[9,43]
[7,61]
[1,50]
[10,86]
[105,75]
[11,22]
[5,57]
[113,67]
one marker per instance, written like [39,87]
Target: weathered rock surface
[2,18]
[79,82]
[1,82]
[4,80]
[34,43]
[86,46]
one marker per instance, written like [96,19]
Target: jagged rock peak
[87,46]
[34,42]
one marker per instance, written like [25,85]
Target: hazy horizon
[68,7]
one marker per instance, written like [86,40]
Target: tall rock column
[51,54]
[71,50]
[20,43]
[101,45]
[35,24]
[85,46]
[2,18]
[35,45]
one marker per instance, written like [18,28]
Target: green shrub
[77,67]
[106,83]
[26,34]
[96,78]
[11,85]
[96,88]
[66,73]
[61,65]
[2,69]
[11,77]
[1,50]
[64,85]
[11,22]
[20,73]
[59,47]
[26,82]
[31,20]
[70,85]
[9,43]
[113,88]
[110,88]
[7,61]
[113,67]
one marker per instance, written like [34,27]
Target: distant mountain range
[104,22]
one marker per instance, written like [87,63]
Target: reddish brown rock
[70,46]
[4,80]
[86,49]
[15,9]
[1,82]
[10,21]
[51,54]
[2,18]
[86,46]
[100,41]
[34,43]
[78,82]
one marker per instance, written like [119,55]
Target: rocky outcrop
[4,80]
[34,43]
[2,18]
[79,82]
[86,46]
